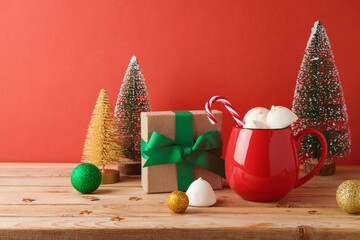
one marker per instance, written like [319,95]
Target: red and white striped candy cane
[229,107]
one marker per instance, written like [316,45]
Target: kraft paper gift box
[184,131]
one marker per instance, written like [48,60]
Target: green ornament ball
[86,178]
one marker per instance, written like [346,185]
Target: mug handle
[324,150]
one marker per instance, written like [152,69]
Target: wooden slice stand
[328,169]
[130,168]
[110,176]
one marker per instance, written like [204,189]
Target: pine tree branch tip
[133,59]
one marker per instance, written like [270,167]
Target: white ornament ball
[280,117]
[254,124]
[201,194]
[258,114]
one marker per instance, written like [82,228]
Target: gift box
[177,148]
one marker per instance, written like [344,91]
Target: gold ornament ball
[348,196]
[178,201]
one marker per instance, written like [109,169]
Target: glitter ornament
[319,101]
[348,196]
[86,178]
[132,100]
[178,201]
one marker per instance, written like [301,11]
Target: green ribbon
[204,153]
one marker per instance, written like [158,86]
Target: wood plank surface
[55,213]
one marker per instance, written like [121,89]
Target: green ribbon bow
[204,153]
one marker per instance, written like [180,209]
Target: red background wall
[56,55]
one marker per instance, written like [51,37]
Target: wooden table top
[309,212]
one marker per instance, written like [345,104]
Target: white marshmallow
[280,117]
[201,194]
[254,124]
[258,113]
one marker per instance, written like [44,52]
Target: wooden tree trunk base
[130,168]
[110,176]
[329,167]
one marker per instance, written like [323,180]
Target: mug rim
[257,129]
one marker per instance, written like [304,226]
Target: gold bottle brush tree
[102,145]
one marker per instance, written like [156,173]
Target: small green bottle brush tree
[132,100]
[319,103]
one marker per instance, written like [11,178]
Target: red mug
[263,164]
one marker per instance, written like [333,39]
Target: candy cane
[229,107]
